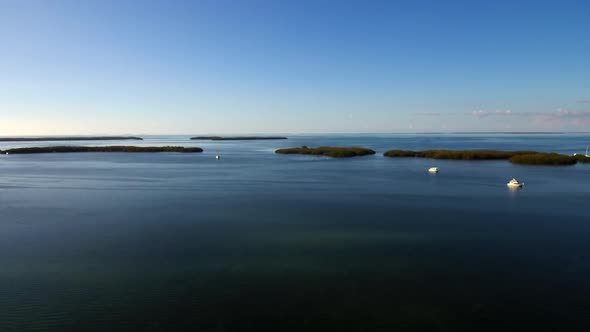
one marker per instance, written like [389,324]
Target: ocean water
[262,242]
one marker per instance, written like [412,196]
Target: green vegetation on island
[457,154]
[582,158]
[555,159]
[69,138]
[237,138]
[516,157]
[336,152]
[65,149]
[400,153]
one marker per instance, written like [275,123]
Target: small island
[515,157]
[69,138]
[237,138]
[66,149]
[335,152]
[457,154]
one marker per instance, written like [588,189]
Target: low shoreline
[237,138]
[127,149]
[69,138]
[329,151]
[515,157]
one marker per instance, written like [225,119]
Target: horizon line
[311,133]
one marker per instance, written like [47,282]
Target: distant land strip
[69,138]
[237,138]
[500,133]
[66,149]
[512,132]
[515,157]
[329,151]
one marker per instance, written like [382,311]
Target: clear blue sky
[114,67]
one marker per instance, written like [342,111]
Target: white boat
[514,183]
[433,170]
[217,157]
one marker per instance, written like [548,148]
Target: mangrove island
[69,138]
[336,152]
[515,157]
[65,149]
[237,138]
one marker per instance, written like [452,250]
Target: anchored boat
[514,183]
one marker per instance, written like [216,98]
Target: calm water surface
[264,242]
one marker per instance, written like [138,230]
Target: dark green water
[265,242]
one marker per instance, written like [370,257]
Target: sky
[264,66]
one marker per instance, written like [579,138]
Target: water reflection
[265,242]
[514,189]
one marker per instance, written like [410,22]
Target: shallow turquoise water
[258,241]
